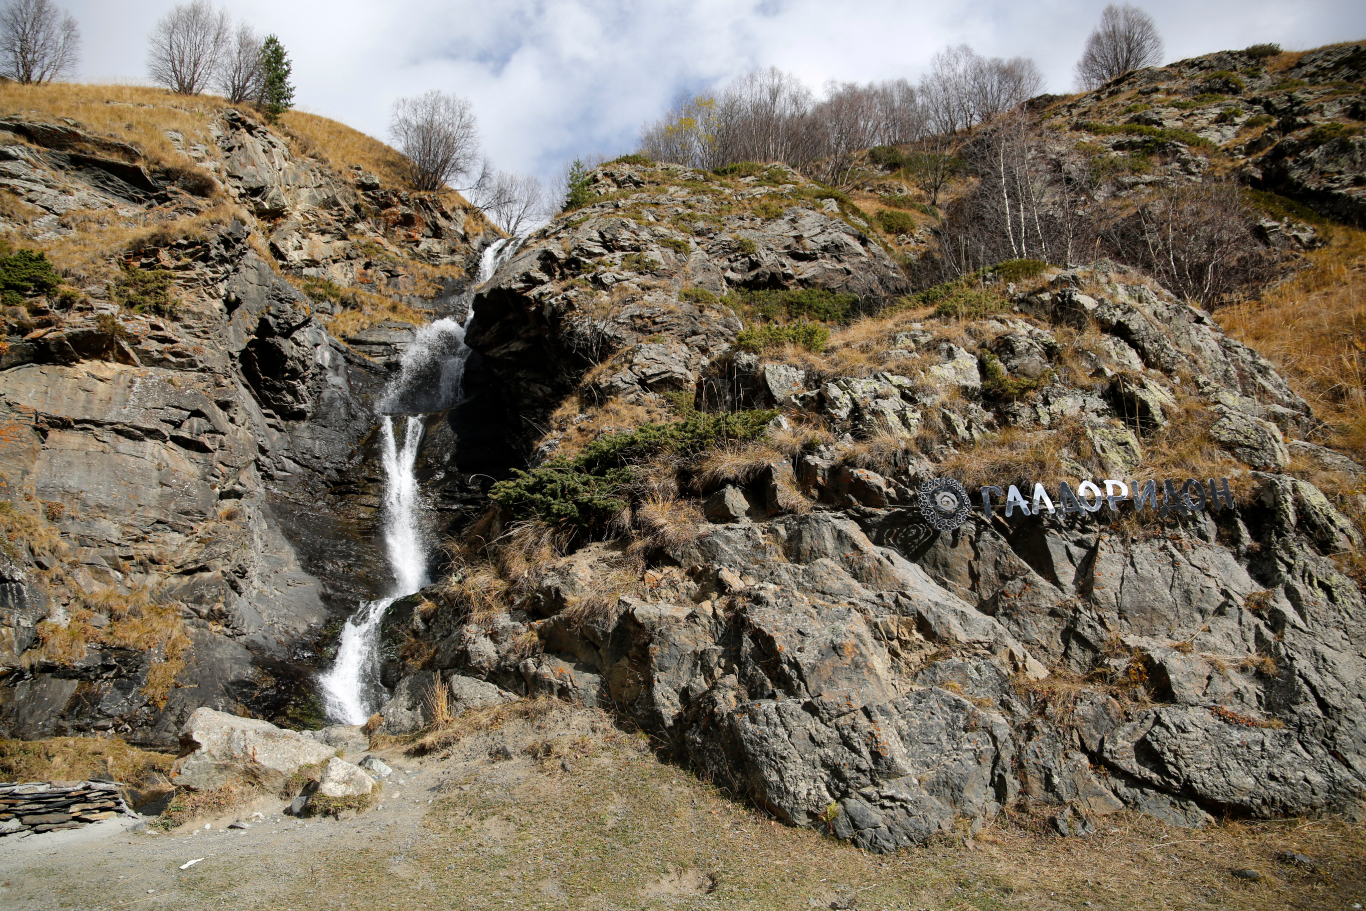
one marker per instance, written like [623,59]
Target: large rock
[342,779]
[217,747]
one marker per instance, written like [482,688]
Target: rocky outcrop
[192,472]
[1286,124]
[649,262]
[820,646]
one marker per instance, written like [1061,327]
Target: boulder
[216,747]
[342,779]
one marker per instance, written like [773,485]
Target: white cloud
[553,78]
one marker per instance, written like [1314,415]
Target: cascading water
[429,380]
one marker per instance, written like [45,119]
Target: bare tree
[186,47]
[438,135]
[687,135]
[947,89]
[242,76]
[1198,239]
[38,41]
[514,202]
[1125,40]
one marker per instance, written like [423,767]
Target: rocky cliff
[733,538]
[184,428]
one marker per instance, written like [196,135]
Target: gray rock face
[846,665]
[213,458]
[542,321]
[216,746]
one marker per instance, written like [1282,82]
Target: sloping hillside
[184,401]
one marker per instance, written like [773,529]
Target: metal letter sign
[945,505]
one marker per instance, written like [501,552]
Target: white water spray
[434,361]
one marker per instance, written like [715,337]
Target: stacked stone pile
[49,806]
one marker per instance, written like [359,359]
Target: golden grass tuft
[137,115]
[1313,327]
[669,522]
[734,463]
[1013,455]
[884,450]
[76,758]
[437,738]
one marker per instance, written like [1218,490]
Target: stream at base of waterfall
[429,380]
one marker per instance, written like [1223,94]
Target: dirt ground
[584,816]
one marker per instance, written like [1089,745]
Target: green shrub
[894,221]
[902,201]
[697,296]
[585,492]
[1157,136]
[1262,51]
[1228,115]
[746,246]
[888,157]
[1279,207]
[970,303]
[811,336]
[1258,120]
[1138,107]
[1106,165]
[1325,133]
[799,303]
[678,246]
[740,169]
[1223,81]
[1016,270]
[998,384]
[768,209]
[25,273]
[634,158]
[145,290]
[639,262]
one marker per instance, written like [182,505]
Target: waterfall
[429,380]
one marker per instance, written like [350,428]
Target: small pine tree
[277,94]
[578,195]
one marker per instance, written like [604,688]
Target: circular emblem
[944,503]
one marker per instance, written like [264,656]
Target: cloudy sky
[551,79]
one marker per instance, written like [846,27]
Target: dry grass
[77,758]
[578,423]
[136,619]
[372,310]
[1313,327]
[668,522]
[884,450]
[1012,456]
[438,700]
[608,825]
[439,737]
[103,235]
[803,432]
[490,574]
[136,115]
[734,463]
[342,147]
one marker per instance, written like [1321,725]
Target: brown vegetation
[76,758]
